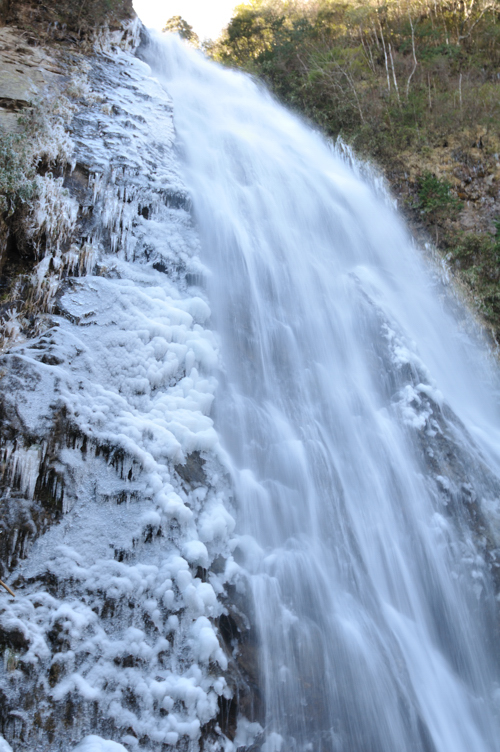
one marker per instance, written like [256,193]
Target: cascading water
[374,610]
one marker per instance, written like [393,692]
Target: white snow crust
[93,743]
[4,746]
[132,362]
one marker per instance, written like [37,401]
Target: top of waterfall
[207,19]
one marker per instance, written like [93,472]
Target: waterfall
[360,426]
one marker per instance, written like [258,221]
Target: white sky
[207,17]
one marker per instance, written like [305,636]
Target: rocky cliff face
[67,20]
[116,529]
[130,618]
[462,224]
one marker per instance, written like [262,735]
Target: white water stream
[373,609]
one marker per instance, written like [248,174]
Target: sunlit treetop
[177,25]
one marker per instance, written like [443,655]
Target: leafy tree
[177,25]
[435,196]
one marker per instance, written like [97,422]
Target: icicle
[25,468]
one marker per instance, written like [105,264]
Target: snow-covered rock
[115,497]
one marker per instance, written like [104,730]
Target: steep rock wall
[131,618]
[65,21]
[117,520]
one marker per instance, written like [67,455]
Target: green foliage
[451,51]
[17,176]
[397,79]
[480,250]
[478,257]
[177,25]
[92,12]
[78,16]
[409,70]
[435,196]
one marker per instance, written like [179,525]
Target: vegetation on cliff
[412,84]
[177,25]
[44,60]
[66,20]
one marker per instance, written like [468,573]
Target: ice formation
[360,490]
[118,602]
[93,743]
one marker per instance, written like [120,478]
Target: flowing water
[348,402]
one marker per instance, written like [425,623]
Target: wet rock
[192,470]
[13,637]
[26,73]
[68,21]
[107,602]
[242,646]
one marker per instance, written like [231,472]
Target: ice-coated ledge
[93,743]
[121,576]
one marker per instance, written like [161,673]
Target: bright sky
[207,17]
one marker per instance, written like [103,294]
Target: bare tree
[414,56]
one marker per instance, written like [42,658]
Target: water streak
[374,608]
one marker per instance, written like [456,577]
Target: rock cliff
[130,618]
[116,514]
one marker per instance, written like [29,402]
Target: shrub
[17,176]
[435,196]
